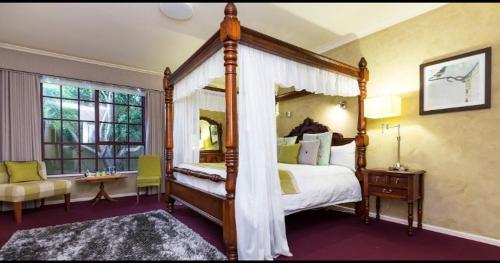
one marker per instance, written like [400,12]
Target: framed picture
[457,83]
[214,136]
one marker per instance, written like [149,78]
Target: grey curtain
[20,116]
[155,124]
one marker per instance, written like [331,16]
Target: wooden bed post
[362,138]
[229,36]
[169,137]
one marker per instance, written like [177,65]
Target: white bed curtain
[212,100]
[186,130]
[260,220]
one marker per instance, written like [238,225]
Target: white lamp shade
[383,107]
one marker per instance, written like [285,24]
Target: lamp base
[398,167]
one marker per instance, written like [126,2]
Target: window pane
[71,167]
[70,92]
[105,132]
[51,131]
[136,115]
[106,112]
[122,164]
[51,90]
[88,165]
[87,94]
[87,151]
[52,151]
[121,114]
[133,164]
[136,133]
[70,131]
[70,109]
[135,100]
[121,151]
[121,98]
[104,164]
[87,111]
[53,167]
[136,150]
[87,132]
[121,133]
[51,108]
[105,96]
[70,152]
[105,151]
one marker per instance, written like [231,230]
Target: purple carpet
[319,234]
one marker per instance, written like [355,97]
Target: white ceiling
[137,35]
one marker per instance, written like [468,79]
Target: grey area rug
[154,235]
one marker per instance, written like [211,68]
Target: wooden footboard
[207,204]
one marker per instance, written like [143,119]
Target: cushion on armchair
[4,177]
[33,190]
[22,171]
[149,171]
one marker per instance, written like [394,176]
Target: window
[86,129]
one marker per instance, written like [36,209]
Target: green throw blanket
[287,181]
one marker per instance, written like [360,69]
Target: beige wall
[458,150]
[23,61]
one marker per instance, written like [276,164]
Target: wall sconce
[342,105]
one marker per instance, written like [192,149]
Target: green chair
[149,173]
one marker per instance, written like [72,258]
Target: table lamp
[385,107]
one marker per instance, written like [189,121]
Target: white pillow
[344,155]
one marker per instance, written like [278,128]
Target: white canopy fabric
[260,223]
[212,100]
[208,71]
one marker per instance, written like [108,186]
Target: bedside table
[401,185]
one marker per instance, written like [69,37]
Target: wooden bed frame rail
[230,34]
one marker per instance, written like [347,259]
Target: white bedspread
[319,185]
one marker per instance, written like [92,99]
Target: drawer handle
[387,191]
[376,179]
[397,181]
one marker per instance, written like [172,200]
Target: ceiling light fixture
[177,11]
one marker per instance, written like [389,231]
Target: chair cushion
[148,181]
[22,171]
[4,177]
[149,166]
[33,190]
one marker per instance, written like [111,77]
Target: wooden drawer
[377,179]
[398,181]
[388,191]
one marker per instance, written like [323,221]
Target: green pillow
[22,171]
[325,142]
[289,153]
[4,177]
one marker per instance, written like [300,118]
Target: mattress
[319,185]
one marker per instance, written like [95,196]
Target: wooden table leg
[102,193]
[410,218]
[419,207]
[367,209]
[378,207]
[420,201]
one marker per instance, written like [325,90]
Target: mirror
[210,135]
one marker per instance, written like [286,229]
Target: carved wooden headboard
[310,126]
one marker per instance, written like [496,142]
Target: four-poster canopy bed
[221,209]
